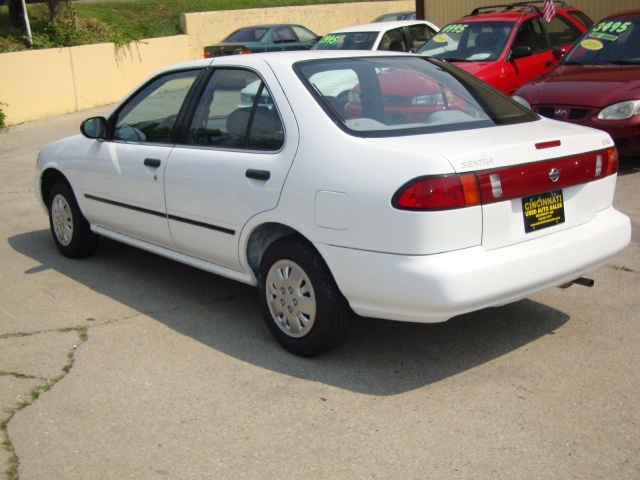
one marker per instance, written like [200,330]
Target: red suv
[508,45]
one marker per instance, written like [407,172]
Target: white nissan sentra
[425,195]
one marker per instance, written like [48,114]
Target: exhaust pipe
[585,282]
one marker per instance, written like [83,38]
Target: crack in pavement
[46,384]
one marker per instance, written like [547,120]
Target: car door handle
[152,162]
[549,63]
[258,174]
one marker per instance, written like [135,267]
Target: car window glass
[561,32]
[393,96]
[615,41]
[582,17]
[284,35]
[420,34]
[151,114]
[247,35]
[393,40]
[236,111]
[347,41]
[303,34]
[472,41]
[531,34]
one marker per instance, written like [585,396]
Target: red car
[508,45]
[597,84]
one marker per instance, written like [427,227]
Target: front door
[125,190]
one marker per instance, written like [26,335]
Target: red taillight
[207,55]
[442,192]
[244,52]
[612,161]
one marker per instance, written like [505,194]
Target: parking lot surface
[128,365]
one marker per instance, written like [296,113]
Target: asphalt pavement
[128,365]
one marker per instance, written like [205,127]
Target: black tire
[299,299]
[70,230]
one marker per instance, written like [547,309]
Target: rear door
[542,37]
[230,164]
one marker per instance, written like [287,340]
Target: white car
[426,196]
[399,36]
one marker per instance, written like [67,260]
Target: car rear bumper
[434,288]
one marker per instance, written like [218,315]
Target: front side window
[151,114]
[303,34]
[469,42]
[391,96]
[420,34]
[236,111]
[531,34]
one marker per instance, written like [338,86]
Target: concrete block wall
[42,83]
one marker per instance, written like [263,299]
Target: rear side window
[236,111]
[562,32]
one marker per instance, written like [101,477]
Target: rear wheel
[71,231]
[300,300]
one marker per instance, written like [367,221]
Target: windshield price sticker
[454,28]
[591,44]
[330,39]
[542,211]
[612,27]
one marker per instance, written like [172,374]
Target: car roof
[625,14]
[284,57]
[512,12]
[383,26]
[270,25]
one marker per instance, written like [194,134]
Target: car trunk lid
[542,180]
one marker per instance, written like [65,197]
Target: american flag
[549,10]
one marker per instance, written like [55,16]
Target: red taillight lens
[442,192]
[207,55]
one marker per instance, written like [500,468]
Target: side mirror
[520,52]
[94,128]
[559,53]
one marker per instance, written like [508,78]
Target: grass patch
[120,22]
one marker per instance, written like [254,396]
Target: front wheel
[70,229]
[299,299]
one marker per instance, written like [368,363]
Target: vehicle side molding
[94,128]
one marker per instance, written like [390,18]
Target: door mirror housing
[559,53]
[94,128]
[520,52]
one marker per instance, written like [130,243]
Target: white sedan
[396,36]
[425,196]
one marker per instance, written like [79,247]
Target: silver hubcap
[291,299]
[62,220]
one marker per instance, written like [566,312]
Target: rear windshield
[406,95]
[613,42]
[247,35]
[469,42]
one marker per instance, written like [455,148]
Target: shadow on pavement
[379,357]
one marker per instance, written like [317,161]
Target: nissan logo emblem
[560,112]
[554,175]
